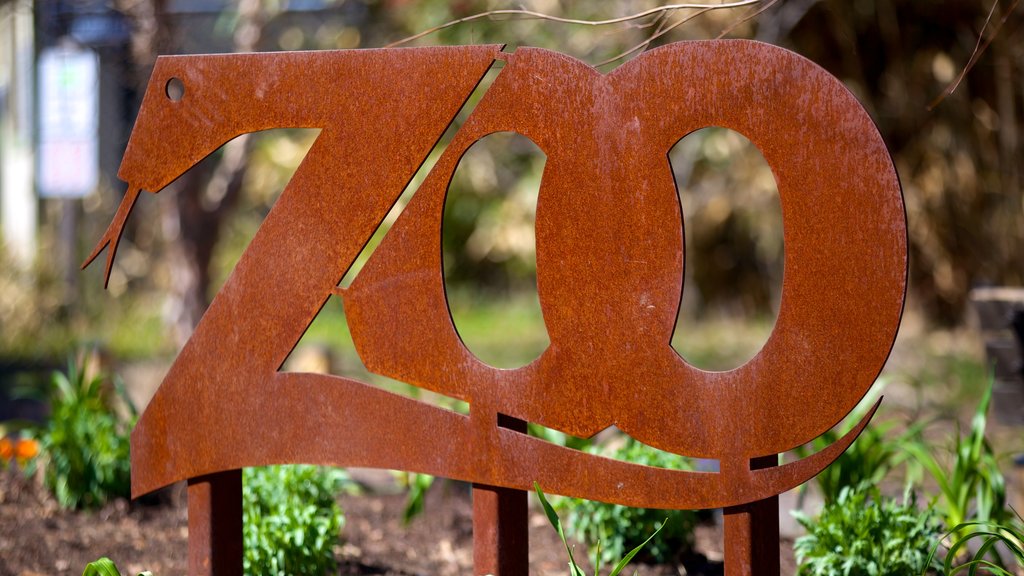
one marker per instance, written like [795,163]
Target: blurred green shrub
[84,448]
[862,534]
[619,528]
[291,518]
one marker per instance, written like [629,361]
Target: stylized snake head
[195,104]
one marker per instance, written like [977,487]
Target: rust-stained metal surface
[751,532]
[609,269]
[215,547]
[500,524]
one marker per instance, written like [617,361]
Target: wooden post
[215,524]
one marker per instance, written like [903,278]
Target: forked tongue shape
[113,234]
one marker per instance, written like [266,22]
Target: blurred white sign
[68,120]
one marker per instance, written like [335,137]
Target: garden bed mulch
[37,538]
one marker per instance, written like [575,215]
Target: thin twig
[747,18]
[530,14]
[656,21]
[979,49]
[653,37]
[662,20]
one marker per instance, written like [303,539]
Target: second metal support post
[500,525]
[215,524]
[752,533]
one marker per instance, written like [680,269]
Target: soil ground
[929,377]
[37,538]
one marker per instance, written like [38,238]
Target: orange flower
[26,450]
[6,449]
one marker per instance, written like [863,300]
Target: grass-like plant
[973,489]
[985,559]
[863,534]
[84,447]
[416,497]
[574,568]
[291,519]
[620,528]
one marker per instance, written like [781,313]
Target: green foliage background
[291,519]
[84,447]
[865,534]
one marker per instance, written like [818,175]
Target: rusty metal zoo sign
[609,269]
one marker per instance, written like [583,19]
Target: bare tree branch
[655,23]
[781,22]
[979,49]
[661,31]
[747,18]
[530,14]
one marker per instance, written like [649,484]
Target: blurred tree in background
[958,157]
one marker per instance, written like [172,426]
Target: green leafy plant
[418,485]
[574,569]
[291,519]
[620,528]
[105,567]
[986,556]
[974,488]
[84,448]
[862,534]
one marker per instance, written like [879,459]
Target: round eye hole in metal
[175,89]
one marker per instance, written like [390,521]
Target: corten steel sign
[609,277]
